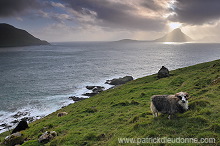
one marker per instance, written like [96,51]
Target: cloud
[90,19]
[59,17]
[107,14]
[59,5]
[151,4]
[196,12]
[156,5]
[117,14]
[205,32]
[15,7]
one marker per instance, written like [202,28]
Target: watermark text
[166,140]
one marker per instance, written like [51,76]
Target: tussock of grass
[125,111]
[199,104]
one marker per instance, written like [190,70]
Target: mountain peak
[177,30]
[175,36]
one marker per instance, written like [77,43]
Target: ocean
[37,80]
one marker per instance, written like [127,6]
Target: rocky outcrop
[21,114]
[12,123]
[119,81]
[74,98]
[163,73]
[47,136]
[90,94]
[30,119]
[13,37]
[14,139]
[22,125]
[95,90]
[92,87]
[98,89]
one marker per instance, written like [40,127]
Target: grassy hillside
[124,112]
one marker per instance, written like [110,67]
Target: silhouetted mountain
[12,37]
[175,36]
[131,41]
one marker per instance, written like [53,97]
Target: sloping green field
[124,112]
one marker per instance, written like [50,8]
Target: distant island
[126,40]
[174,36]
[13,37]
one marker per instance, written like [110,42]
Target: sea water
[37,80]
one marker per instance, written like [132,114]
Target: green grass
[124,112]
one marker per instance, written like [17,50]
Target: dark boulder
[74,98]
[22,125]
[91,87]
[163,73]
[98,89]
[29,119]
[20,114]
[95,90]
[3,125]
[90,94]
[119,81]
[15,121]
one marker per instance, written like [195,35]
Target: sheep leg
[154,110]
[169,117]
[155,114]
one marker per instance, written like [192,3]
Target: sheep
[62,114]
[169,104]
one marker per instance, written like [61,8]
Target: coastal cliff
[13,37]
[124,112]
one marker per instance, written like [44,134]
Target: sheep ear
[177,94]
[187,95]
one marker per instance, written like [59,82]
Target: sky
[110,20]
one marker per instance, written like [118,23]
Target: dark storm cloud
[15,7]
[151,4]
[196,11]
[115,14]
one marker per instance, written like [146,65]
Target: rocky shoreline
[98,89]
[92,91]
[19,116]
[47,136]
